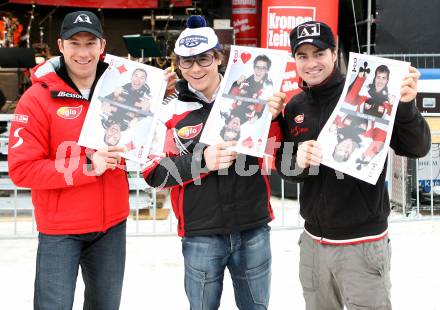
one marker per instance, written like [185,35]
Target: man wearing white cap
[222,215]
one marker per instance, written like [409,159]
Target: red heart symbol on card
[248,142]
[234,60]
[245,57]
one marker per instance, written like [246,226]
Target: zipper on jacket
[323,200]
[101,181]
[322,109]
[324,113]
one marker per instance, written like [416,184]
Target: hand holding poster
[356,137]
[123,108]
[240,111]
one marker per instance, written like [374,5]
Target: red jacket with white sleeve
[44,156]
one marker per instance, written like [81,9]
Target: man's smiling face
[202,78]
[314,65]
[81,54]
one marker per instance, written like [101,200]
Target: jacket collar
[186,95]
[61,71]
[327,87]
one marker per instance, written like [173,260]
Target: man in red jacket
[80,196]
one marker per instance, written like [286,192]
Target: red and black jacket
[44,156]
[204,202]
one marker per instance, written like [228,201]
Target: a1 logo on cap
[309,30]
[82,18]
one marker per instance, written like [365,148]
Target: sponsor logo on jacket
[296,131]
[299,118]
[17,135]
[20,118]
[69,112]
[65,94]
[189,132]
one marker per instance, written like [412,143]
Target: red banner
[279,17]
[107,4]
[183,3]
[245,22]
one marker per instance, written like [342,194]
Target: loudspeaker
[9,83]
[17,57]
[409,28]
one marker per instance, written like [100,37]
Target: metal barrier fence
[420,60]
[409,184]
[413,184]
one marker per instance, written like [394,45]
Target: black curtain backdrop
[410,26]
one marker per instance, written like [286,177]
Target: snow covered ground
[154,269]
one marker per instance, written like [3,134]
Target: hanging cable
[356,27]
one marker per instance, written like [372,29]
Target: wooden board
[147,214]
[434,125]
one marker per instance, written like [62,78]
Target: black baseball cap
[316,33]
[80,21]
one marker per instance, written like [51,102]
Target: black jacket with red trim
[333,207]
[206,203]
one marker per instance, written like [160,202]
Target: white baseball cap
[196,39]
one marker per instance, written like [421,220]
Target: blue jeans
[102,259]
[248,258]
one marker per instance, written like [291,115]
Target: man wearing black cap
[80,196]
[344,249]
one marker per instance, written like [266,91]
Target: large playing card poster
[240,111]
[356,137]
[124,108]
